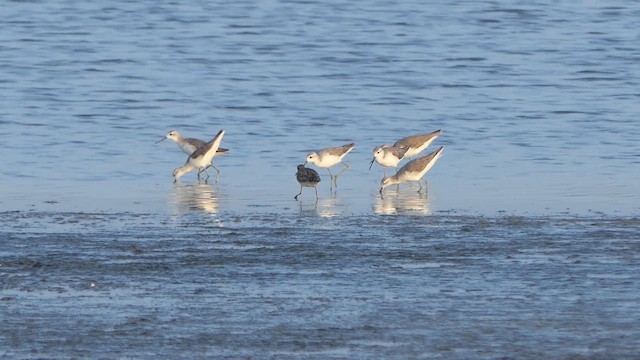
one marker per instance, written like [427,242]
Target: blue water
[537,101]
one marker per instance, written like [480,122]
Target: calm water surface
[538,103]
[529,248]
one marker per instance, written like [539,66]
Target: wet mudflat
[105,285]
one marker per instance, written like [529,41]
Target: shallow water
[525,245]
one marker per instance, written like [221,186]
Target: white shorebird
[414,170]
[417,143]
[328,157]
[307,178]
[189,145]
[201,158]
[388,156]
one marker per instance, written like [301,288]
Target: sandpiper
[388,156]
[189,145]
[328,157]
[414,170]
[417,143]
[201,158]
[307,177]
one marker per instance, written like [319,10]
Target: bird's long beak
[305,163]
[371,163]
[161,139]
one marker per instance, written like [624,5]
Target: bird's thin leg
[331,178]
[216,169]
[420,183]
[346,166]
[335,178]
[316,188]
[300,193]
[203,170]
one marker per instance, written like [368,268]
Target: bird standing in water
[200,159]
[189,145]
[414,170]
[307,178]
[328,157]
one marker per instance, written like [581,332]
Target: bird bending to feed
[414,170]
[417,143]
[201,158]
[328,157]
[189,145]
[307,177]
[388,156]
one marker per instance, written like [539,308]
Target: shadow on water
[185,198]
[403,201]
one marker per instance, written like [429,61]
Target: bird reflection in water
[323,207]
[194,197]
[398,202]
